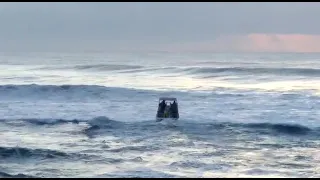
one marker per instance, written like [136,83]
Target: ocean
[93,115]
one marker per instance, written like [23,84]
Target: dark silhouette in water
[167,108]
[174,110]
[162,107]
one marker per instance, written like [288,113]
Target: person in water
[174,109]
[162,107]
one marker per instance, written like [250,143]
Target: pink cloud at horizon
[284,42]
[255,43]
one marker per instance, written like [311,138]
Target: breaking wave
[19,152]
[40,122]
[52,91]
[13,153]
[281,128]
[97,91]
[191,70]
[202,128]
[104,124]
[6,175]
[95,67]
[255,70]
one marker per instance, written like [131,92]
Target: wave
[52,88]
[106,67]
[95,67]
[96,91]
[135,148]
[102,124]
[138,173]
[96,123]
[73,91]
[207,128]
[6,175]
[40,122]
[55,91]
[81,92]
[119,68]
[19,152]
[281,128]
[154,69]
[192,70]
[15,153]
[253,71]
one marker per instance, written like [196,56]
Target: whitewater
[93,115]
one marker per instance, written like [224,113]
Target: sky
[161,26]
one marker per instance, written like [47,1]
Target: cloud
[283,42]
[302,43]
[212,26]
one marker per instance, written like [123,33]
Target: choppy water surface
[93,115]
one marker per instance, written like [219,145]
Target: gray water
[93,115]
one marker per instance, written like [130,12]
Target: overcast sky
[240,26]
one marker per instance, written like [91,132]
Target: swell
[19,152]
[95,123]
[38,122]
[97,91]
[118,68]
[6,175]
[102,123]
[52,91]
[205,128]
[56,88]
[287,128]
[94,67]
[282,128]
[14,153]
[155,69]
[191,70]
[80,92]
[253,71]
